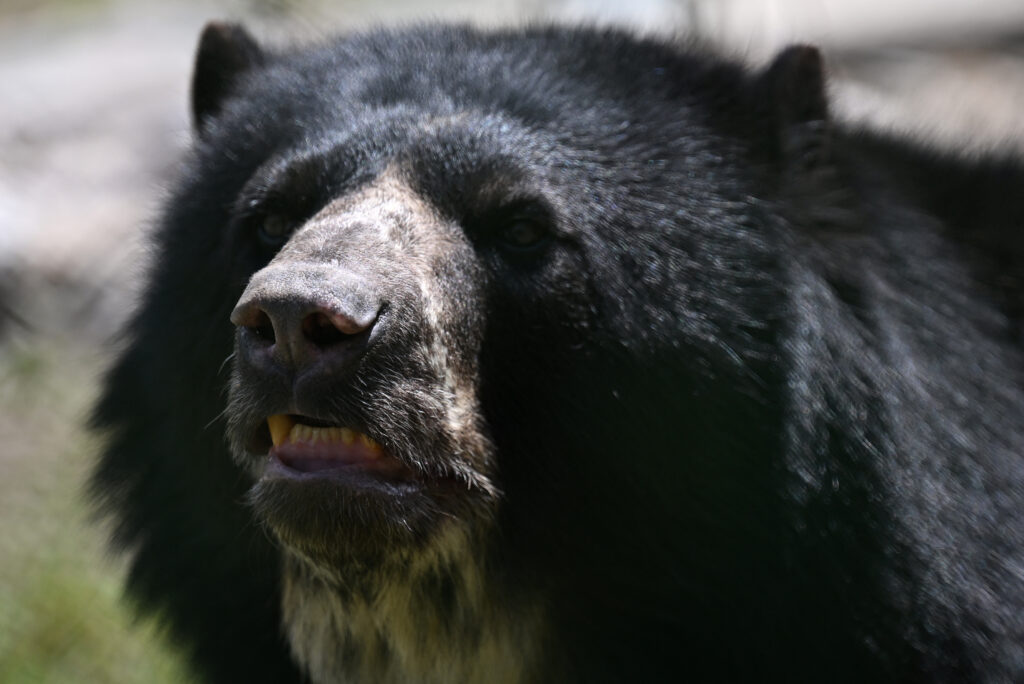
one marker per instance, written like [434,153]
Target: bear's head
[467,294]
[504,345]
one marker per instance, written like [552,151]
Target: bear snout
[314,318]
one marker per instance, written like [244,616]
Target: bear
[552,354]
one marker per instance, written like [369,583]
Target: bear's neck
[436,616]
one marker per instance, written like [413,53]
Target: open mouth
[308,445]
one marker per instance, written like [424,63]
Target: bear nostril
[321,331]
[256,321]
[325,328]
[263,328]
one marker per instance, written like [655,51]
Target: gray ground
[92,118]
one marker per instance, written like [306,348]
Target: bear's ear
[793,86]
[226,51]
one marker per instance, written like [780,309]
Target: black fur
[752,409]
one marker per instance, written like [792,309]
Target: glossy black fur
[758,412]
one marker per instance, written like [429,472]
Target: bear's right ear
[226,51]
[795,103]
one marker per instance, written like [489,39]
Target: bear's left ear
[793,88]
[226,51]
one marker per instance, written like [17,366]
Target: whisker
[225,362]
[215,419]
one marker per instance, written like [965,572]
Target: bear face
[412,268]
[453,244]
[562,355]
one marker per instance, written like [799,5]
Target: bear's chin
[345,519]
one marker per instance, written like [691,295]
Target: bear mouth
[302,446]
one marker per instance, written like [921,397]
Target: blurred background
[93,115]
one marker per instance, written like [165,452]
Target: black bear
[557,354]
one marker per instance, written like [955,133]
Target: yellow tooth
[283,428]
[371,444]
[280,427]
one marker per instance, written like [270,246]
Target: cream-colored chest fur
[434,621]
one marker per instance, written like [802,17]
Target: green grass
[61,614]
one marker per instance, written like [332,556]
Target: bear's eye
[523,234]
[275,230]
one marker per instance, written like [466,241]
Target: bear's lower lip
[320,458]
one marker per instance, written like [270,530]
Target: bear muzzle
[309,319]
